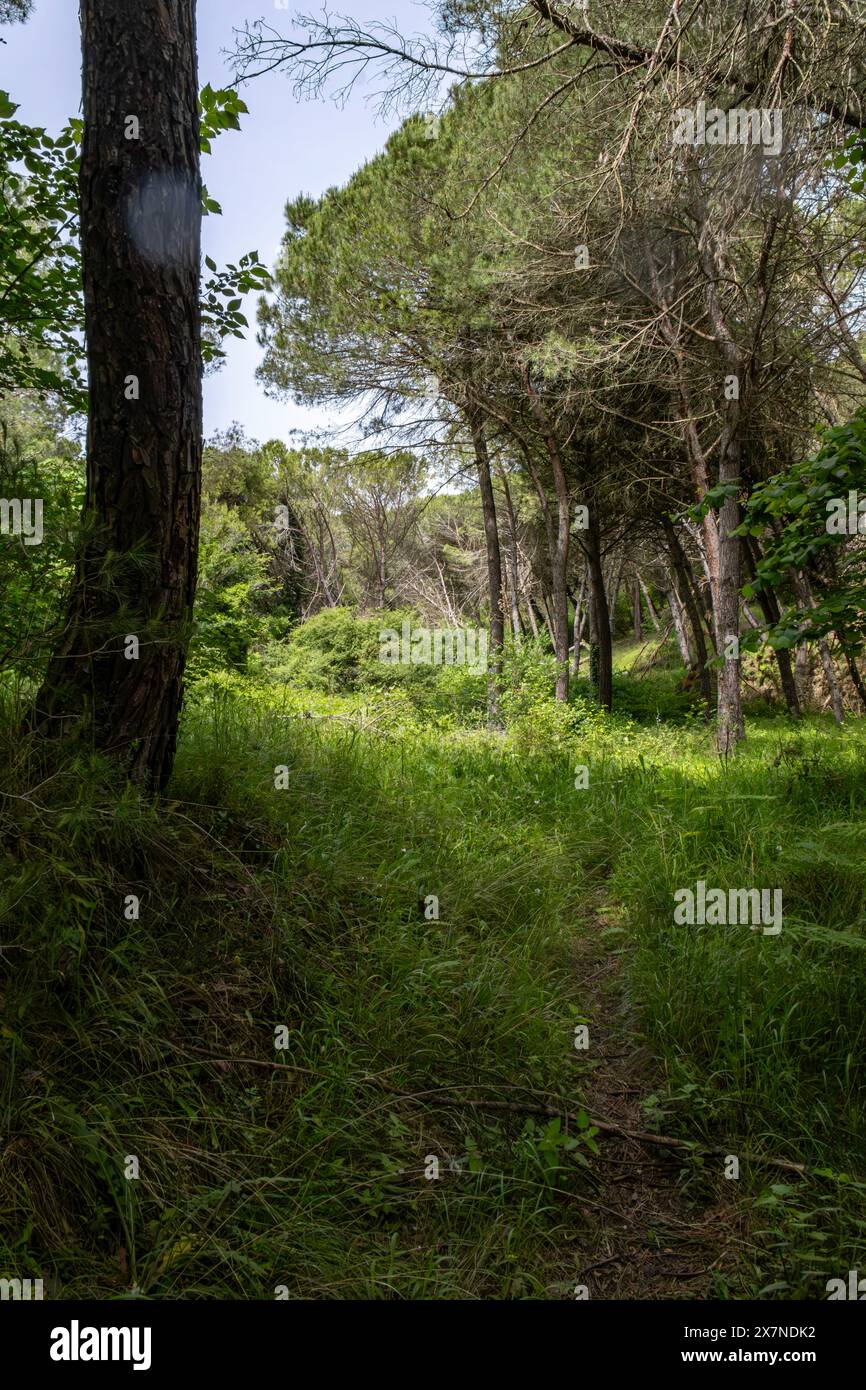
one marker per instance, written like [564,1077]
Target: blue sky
[284,148]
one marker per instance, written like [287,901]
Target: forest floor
[333,1092]
[648,1240]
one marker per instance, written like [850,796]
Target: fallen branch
[665,1141]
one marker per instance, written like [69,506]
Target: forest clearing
[433,716]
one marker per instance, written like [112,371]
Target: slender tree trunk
[772,612]
[854,673]
[117,674]
[614,594]
[654,617]
[578,625]
[546,614]
[836,703]
[514,560]
[730,728]
[678,620]
[730,714]
[803,590]
[687,593]
[494,560]
[601,647]
[636,611]
[530,613]
[559,558]
[801,673]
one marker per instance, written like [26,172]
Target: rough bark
[140,202]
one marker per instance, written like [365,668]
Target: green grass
[305,908]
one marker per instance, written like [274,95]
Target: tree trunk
[679,626]
[654,619]
[601,647]
[559,556]
[494,561]
[636,611]
[836,704]
[801,673]
[687,593]
[730,713]
[514,560]
[856,678]
[140,236]
[613,594]
[803,590]
[772,612]
[578,626]
[546,608]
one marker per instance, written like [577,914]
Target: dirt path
[655,1242]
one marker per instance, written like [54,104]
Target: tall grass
[153,1038]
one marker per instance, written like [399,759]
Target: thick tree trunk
[140,235]
[494,561]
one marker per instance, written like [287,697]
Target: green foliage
[39,464]
[339,651]
[40,260]
[791,512]
[41,301]
[850,162]
[231,578]
[300,909]
[259,910]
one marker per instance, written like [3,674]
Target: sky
[284,148]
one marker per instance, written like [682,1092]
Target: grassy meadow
[284,1038]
